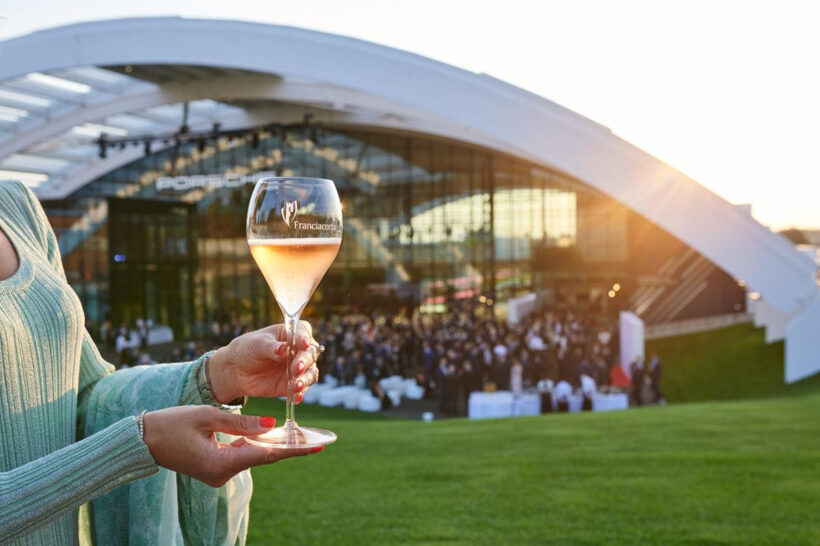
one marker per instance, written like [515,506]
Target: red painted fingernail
[300,368]
[316,449]
[267,422]
[299,385]
[298,399]
[281,349]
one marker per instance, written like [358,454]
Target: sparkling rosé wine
[294,267]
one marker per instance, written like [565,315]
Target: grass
[729,363]
[720,472]
[741,472]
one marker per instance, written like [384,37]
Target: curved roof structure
[60,88]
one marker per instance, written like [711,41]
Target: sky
[727,92]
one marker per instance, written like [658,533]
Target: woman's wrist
[147,432]
[221,378]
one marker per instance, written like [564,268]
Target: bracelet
[234,404]
[141,424]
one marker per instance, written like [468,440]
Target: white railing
[691,326]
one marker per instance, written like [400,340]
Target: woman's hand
[254,364]
[182,439]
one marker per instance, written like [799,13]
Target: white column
[632,339]
[803,343]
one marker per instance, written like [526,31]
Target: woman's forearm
[47,488]
[147,387]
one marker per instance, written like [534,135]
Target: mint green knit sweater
[68,434]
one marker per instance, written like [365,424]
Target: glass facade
[428,222]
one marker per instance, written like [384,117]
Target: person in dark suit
[655,371]
[443,384]
[339,370]
[470,382]
[637,369]
[427,358]
[379,392]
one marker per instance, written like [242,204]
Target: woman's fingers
[240,425]
[260,345]
[248,455]
[181,439]
[305,327]
[239,442]
[280,350]
[302,382]
[304,336]
[311,376]
[304,371]
[305,359]
[303,331]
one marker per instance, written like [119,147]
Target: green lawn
[731,472]
[723,364]
[740,472]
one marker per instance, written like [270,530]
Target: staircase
[664,296]
[370,240]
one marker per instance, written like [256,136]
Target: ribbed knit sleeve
[195,390]
[94,368]
[47,488]
[52,373]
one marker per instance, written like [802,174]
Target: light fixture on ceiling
[9,113]
[108,137]
[23,98]
[34,162]
[30,179]
[59,83]
[96,129]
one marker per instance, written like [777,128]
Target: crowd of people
[450,355]
[131,345]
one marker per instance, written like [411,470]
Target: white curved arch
[486,110]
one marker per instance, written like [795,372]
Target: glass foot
[293,437]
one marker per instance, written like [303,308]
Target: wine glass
[294,233]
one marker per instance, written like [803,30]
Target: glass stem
[290,326]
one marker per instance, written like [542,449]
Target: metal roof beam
[250,87]
[58,187]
